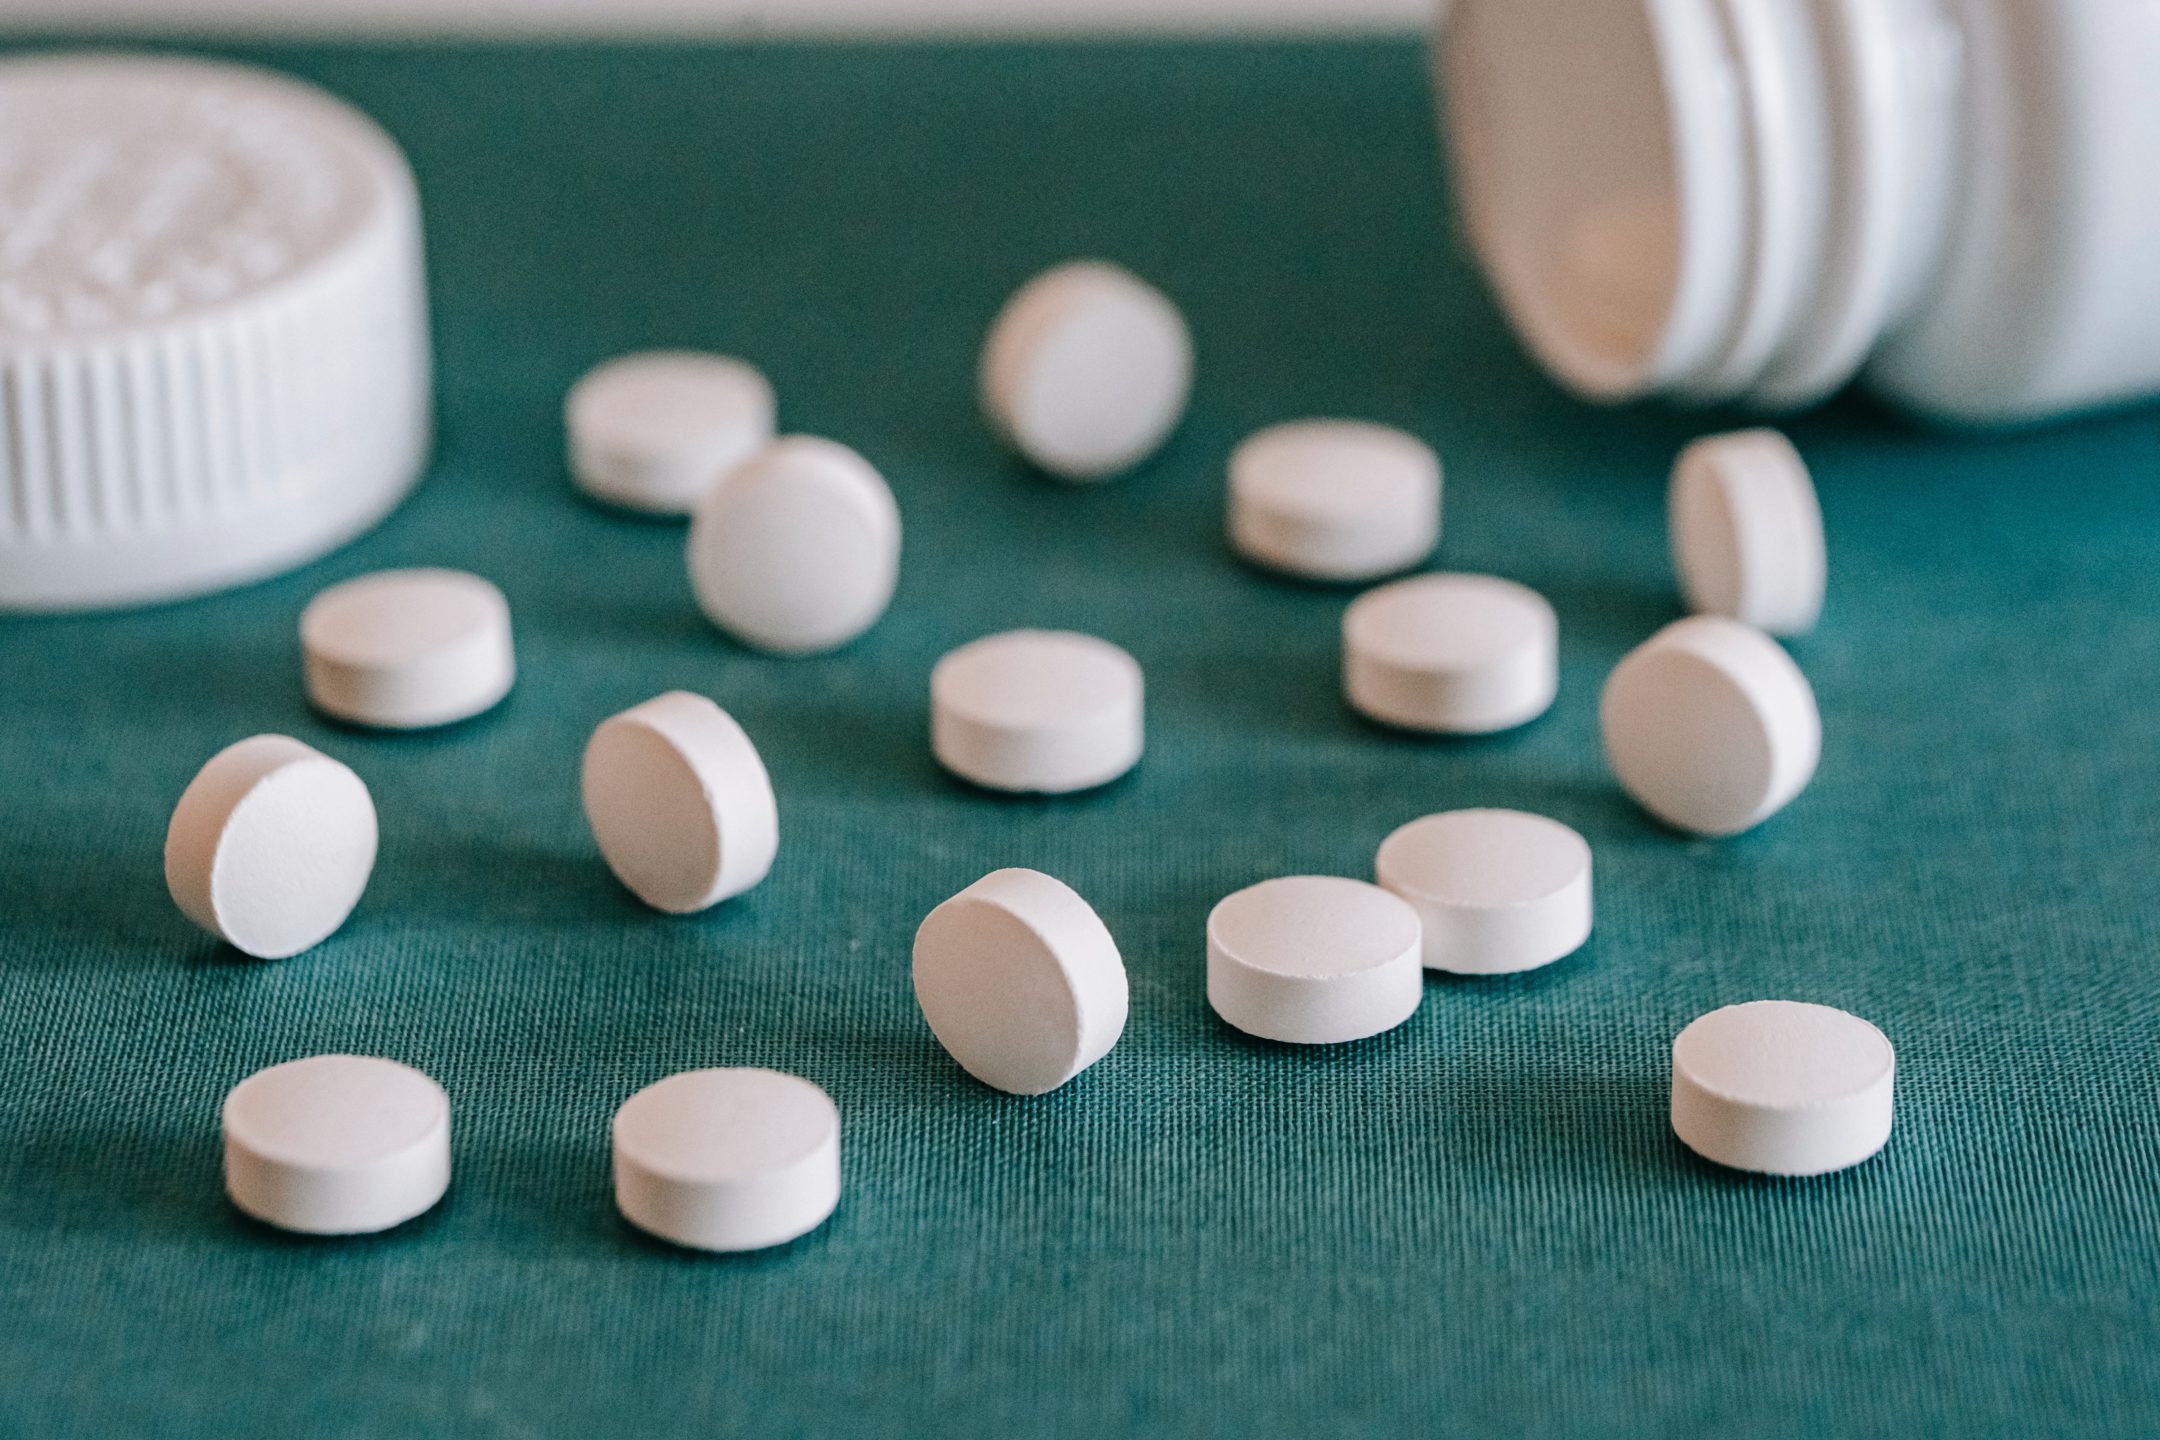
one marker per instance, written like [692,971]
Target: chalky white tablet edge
[727,1160]
[407,649]
[1314,960]
[1451,654]
[1782,1088]
[797,550]
[1710,726]
[1747,531]
[1044,712]
[336,1144]
[1497,891]
[1020,981]
[1334,499]
[656,430]
[1086,370]
[680,803]
[270,846]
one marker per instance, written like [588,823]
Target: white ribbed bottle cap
[213,328]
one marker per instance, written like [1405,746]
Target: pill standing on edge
[1451,654]
[1020,981]
[336,1144]
[1747,531]
[1086,370]
[796,550]
[727,1160]
[1497,891]
[270,846]
[1334,499]
[655,431]
[407,649]
[1314,960]
[1037,711]
[1710,725]
[1782,1088]
[680,803]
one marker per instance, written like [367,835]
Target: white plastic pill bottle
[1757,200]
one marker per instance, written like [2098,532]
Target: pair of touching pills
[1334,500]
[655,431]
[1747,531]
[1043,712]
[1782,1088]
[407,649]
[1451,654]
[1496,891]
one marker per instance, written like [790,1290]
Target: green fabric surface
[1478,1224]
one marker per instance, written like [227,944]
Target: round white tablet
[1314,960]
[1710,726]
[1334,499]
[1496,890]
[270,846]
[407,649]
[797,549]
[727,1159]
[1747,531]
[336,1144]
[1037,711]
[680,803]
[1020,981]
[1087,370]
[1451,654]
[655,431]
[1782,1088]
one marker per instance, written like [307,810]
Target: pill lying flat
[796,550]
[1314,960]
[1782,1088]
[1496,891]
[1086,370]
[1747,531]
[407,649]
[727,1160]
[1710,726]
[336,1144]
[654,431]
[680,803]
[1451,654]
[1334,499]
[1037,711]
[1020,981]
[270,846]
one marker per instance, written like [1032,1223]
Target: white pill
[797,549]
[1037,711]
[407,649]
[727,1159]
[1334,499]
[336,1144]
[1087,370]
[680,803]
[655,431]
[1496,890]
[1710,726]
[1451,654]
[1020,981]
[270,846]
[1314,960]
[1782,1088]
[1747,531]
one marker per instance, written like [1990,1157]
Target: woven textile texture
[1476,1225]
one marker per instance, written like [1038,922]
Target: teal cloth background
[1475,1225]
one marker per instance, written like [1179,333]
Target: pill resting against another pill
[1747,531]
[1314,960]
[1086,370]
[796,550]
[1496,891]
[1020,981]
[654,431]
[1037,711]
[1451,654]
[727,1159]
[1710,725]
[270,846]
[1782,1088]
[336,1144]
[1334,499]
[680,803]
[407,649]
